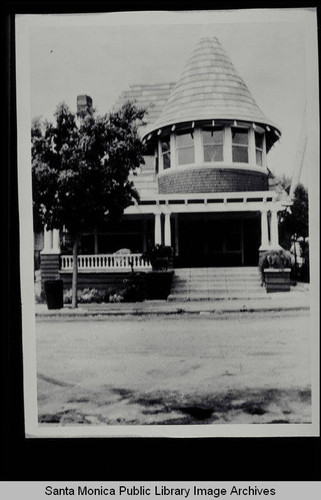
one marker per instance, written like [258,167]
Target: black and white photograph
[168,182]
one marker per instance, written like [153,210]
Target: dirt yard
[238,368]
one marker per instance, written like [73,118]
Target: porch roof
[209,202]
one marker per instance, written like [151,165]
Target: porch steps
[216,284]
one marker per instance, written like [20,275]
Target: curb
[179,311]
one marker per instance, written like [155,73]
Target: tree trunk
[74,301]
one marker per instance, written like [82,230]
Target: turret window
[213,144]
[259,141]
[166,152]
[240,145]
[218,145]
[185,148]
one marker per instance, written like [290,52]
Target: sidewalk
[297,299]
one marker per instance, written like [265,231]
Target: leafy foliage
[158,256]
[294,229]
[295,221]
[275,259]
[80,170]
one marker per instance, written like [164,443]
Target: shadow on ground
[125,407]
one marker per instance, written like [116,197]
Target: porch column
[50,256]
[158,230]
[264,231]
[167,230]
[47,240]
[176,235]
[56,241]
[274,230]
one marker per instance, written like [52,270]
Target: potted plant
[159,257]
[275,268]
[159,280]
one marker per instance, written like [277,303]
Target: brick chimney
[84,105]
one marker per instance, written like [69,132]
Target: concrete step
[217,281]
[213,275]
[215,272]
[227,289]
[177,297]
[216,284]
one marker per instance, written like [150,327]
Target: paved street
[233,368]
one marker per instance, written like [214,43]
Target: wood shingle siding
[212,180]
[210,88]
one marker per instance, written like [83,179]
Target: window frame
[166,152]
[180,148]
[244,146]
[220,128]
[257,149]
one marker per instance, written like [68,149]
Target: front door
[206,242]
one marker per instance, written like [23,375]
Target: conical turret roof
[209,88]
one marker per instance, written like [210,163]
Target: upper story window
[185,148]
[259,144]
[240,145]
[213,144]
[166,152]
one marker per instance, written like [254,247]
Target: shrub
[87,296]
[116,297]
[133,290]
[40,297]
[275,259]
[304,270]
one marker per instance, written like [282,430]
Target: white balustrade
[105,262]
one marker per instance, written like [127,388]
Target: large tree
[295,220]
[294,225]
[80,169]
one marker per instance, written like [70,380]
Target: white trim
[252,148]
[167,229]
[98,263]
[158,229]
[274,236]
[264,230]
[228,194]
[186,207]
[198,147]
[227,146]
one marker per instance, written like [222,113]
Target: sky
[101,55]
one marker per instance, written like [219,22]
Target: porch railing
[105,262]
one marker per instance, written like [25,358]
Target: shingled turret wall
[211,180]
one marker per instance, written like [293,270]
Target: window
[259,148]
[166,152]
[240,145]
[213,144]
[185,148]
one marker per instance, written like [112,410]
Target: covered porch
[205,230]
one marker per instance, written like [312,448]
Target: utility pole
[303,139]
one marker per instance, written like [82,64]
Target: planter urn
[277,280]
